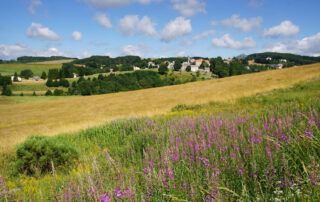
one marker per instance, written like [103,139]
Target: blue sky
[158,28]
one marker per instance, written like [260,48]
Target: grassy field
[37,69]
[49,117]
[258,148]
[52,62]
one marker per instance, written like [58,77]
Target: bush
[6,90]
[48,93]
[58,92]
[26,73]
[40,155]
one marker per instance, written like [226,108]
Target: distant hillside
[292,59]
[29,59]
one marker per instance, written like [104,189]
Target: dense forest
[27,59]
[292,59]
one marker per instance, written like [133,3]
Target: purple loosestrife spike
[284,138]
[255,139]
[127,192]
[241,171]
[308,133]
[268,152]
[205,162]
[118,193]
[105,197]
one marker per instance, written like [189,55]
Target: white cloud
[189,7]
[103,20]
[76,35]
[13,51]
[203,35]
[37,30]
[306,46]
[200,36]
[176,28]
[114,3]
[244,24]
[286,28]
[227,42]
[133,50]
[33,6]
[132,24]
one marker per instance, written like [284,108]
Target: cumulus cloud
[37,30]
[103,20]
[33,6]
[286,28]
[114,3]
[244,24]
[189,7]
[306,46]
[203,35]
[132,24]
[227,42]
[12,51]
[176,28]
[76,35]
[200,36]
[133,50]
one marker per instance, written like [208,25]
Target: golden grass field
[49,116]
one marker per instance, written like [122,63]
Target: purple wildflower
[118,193]
[170,173]
[308,133]
[105,197]
[284,138]
[255,139]
[241,171]
[205,162]
[127,192]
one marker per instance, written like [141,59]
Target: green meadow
[37,69]
[259,148]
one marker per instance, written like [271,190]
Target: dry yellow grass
[52,116]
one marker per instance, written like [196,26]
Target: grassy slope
[37,69]
[52,62]
[112,153]
[18,121]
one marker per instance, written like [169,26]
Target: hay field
[52,116]
[37,69]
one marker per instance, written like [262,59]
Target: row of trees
[121,82]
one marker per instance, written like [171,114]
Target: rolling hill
[50,116]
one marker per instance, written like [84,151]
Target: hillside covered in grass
[263,147]
[29,115]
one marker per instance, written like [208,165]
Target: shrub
[38,155]
[6,90]
[58,92]
[48,93]
[26,73]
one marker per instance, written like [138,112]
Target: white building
[184,66]
[151,64]
[277,66]
[19,78]
[194,68]
[136,68]
[171,65]
[283,61]
[268,58]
